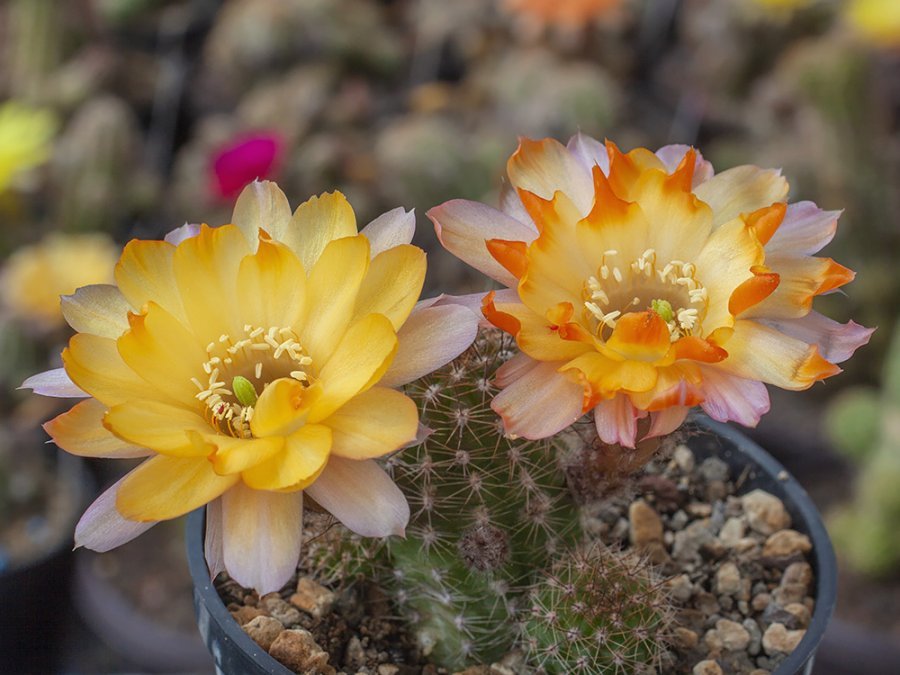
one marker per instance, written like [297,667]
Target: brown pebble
[760,602]
[685,638]
[281,610]
[296,649]
[798,573]
[645,525]
[707,667]
[388,669]
[244,615]
[789,593]
[728,579]
[263,630]
[312,598]
[779,640]
[800,612]
[786,543]
[765,512]
[733,635]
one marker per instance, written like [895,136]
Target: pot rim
[797,502]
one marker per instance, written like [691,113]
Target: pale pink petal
[836,341]
[518,366]
[390,229]
[183,233]
[471,301]
[463,227]
[742,189]
[102,528]
[511,204]
[590,152]
[362,496]
[430,337]
[261,536]
[805,230]
[212,544]
[55,383]
[671,156]
[616,421]
[540,403]
[664,422]
[732,398]
[100,309]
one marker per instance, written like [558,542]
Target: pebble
[728,579]
[684,458]
[733,635]
[732,532]
[707,667]
[755,634]
[760,601]
[244,614]
[778,639]
[388,669]
[787,594]
[801,614]
[765,512]
[786,543]
[681,587]
[714,469]
[798,573]
[685,638]
[281,610]
[312,598]
[263,630]
[297,649]
[689,541]
[355,655]
[645,525]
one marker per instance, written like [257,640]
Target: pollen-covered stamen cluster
[237,371]
[672,290]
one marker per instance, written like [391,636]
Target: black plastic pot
[236,654]
[35,597]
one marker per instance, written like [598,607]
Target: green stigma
[664,309]
[244,391]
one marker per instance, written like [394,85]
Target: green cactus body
[864,424]
[487,511]
[599,611]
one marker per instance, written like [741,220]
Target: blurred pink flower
[243,160]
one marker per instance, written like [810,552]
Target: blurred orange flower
[569,13]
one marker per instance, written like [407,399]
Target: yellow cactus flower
[875,20]
[34,277]
[25,136]
[251,363]
[642,284]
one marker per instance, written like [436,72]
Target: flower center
[672,291]
[237,371]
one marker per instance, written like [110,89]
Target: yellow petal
[164,353]
[271,287]
[100,309]
[393,283]
[332,290]
[302,459]
[758,352]
[95,366]
[316,223]
[545,167]
[360,359]
[640,336]
[262,206]
[605,377]
[283,407]
[146,272]
[373,424]
[167,487]
[234,455]
[537,336]
[206,268]
[743,189]
[802,279]
[80,431]
[156,425]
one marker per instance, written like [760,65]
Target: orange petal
[835,276]
[816,368]
[766,221]
[754,290]
[682,179]
[697,349]
[503,321]
[607,203]
[640,336]
[510,254]
[625,169]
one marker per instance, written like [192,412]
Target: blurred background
[127,118]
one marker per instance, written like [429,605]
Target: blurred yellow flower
[876,20]
[643,284]
[34,277]
[25,139]
[254,362]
